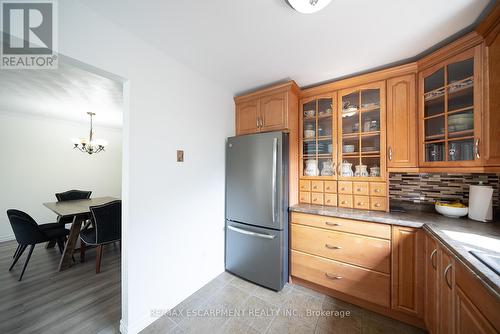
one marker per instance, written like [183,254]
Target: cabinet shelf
[362,134]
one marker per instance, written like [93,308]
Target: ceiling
[68,92]
[247,44]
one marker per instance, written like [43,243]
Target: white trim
[7,237]
[144,322]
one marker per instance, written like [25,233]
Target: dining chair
[107,221]
[29,233]
[69,195]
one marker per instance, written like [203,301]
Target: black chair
[29,233]
[72,195]
[107,220]
[69,195]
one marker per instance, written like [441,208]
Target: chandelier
[89,145]
[308,6]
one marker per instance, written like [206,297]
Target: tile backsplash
[428,188]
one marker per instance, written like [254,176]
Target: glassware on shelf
[375,171]
[327,169]
[361,171]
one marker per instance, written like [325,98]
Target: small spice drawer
[378,189]
[331,199]
[378,203]
[305,185]
[305,197]
[345,187]
[317,186]
[317,198]
[362,202]
[330,187]
[345,201]
[360,188]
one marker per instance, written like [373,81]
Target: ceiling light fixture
[89,145]
[308,6]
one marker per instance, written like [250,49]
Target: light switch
[180,155]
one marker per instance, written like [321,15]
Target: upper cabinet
[450,96]
[362,133]
[402,122]
[318,137]
[248,117]
[271,109]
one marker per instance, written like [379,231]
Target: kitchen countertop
[458,235]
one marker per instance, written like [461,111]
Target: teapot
[345,169]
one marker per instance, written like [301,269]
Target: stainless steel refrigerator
[257,208]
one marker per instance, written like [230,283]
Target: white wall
[38,160]
[173,238]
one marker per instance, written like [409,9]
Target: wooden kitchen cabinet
[476,308]
[408,270]
[450,95]
[273,112]
[247,117]
[270,109]
[446,291]
[431,284]
[402,122]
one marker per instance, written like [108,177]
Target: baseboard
[138,326]
[7,237]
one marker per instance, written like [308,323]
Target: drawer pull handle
[377,190]
[361,203]
[328,201]
[327,188]
[342,188]
[446,275]
[377,205]
[315,199]
[358,189]
[432,258]
[332,247]
[315,187]
[344,202]
[334,277]
[332,224]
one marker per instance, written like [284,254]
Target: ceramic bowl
[451,212]
[309,133]
[348,148]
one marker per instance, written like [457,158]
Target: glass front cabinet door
[450,112]
[317,137]
[362,133]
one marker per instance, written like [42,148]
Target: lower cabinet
[401,272]
[455,300]
[408,270]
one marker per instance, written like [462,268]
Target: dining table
[79,210]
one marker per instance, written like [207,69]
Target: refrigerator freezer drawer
[256,254]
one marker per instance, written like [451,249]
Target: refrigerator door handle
[254,234]
[274,172]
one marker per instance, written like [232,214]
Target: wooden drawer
[317,186]
[360,188]
[378,203]
[367,252]
[344,225]
[362,202]
[352,280]
[317,198]
[345,201]
[330,186]
[331,199]
[345,187]
[305,197]
[305,185]
[378,189]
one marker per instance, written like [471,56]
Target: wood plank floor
[47,301]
